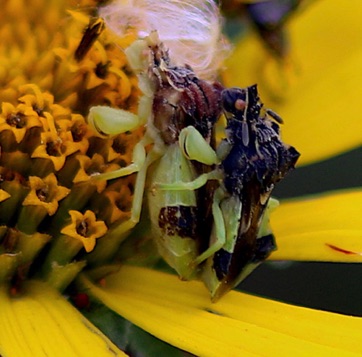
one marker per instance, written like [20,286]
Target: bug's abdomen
[173,213]
[178,220]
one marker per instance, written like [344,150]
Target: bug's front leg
[138,161]
[106,248]
[194,147]
[110,121]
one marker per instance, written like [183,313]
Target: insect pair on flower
[208,207]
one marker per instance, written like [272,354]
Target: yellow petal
[320,228]
[181,314]
[4,195]
[43,323]
[319,103]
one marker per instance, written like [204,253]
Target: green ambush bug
[179,111]
[252,159]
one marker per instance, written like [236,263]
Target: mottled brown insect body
[255,160]
[182,99]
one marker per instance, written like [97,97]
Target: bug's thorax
[257,152]
[180,98]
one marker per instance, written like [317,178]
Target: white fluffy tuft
[191,29]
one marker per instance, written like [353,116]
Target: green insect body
[173,214]
[180,111]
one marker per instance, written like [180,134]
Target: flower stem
[62,275]
[41,167]
[62,251]
[30,217]
[76,200]
[109,244]
[17,161]
[30,245]
[8,265]
[17,193]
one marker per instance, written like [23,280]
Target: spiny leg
[110,121]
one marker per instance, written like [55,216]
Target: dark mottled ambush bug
[253,158]
[179,111]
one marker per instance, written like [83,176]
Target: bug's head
[241,103]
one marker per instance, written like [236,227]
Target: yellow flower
[4,195]
[42,200]
[52,148]
[51,155]
[45,193]
[76,132]
[17,119]
[85,228]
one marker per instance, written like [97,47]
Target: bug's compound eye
[233,100]
[240,104]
